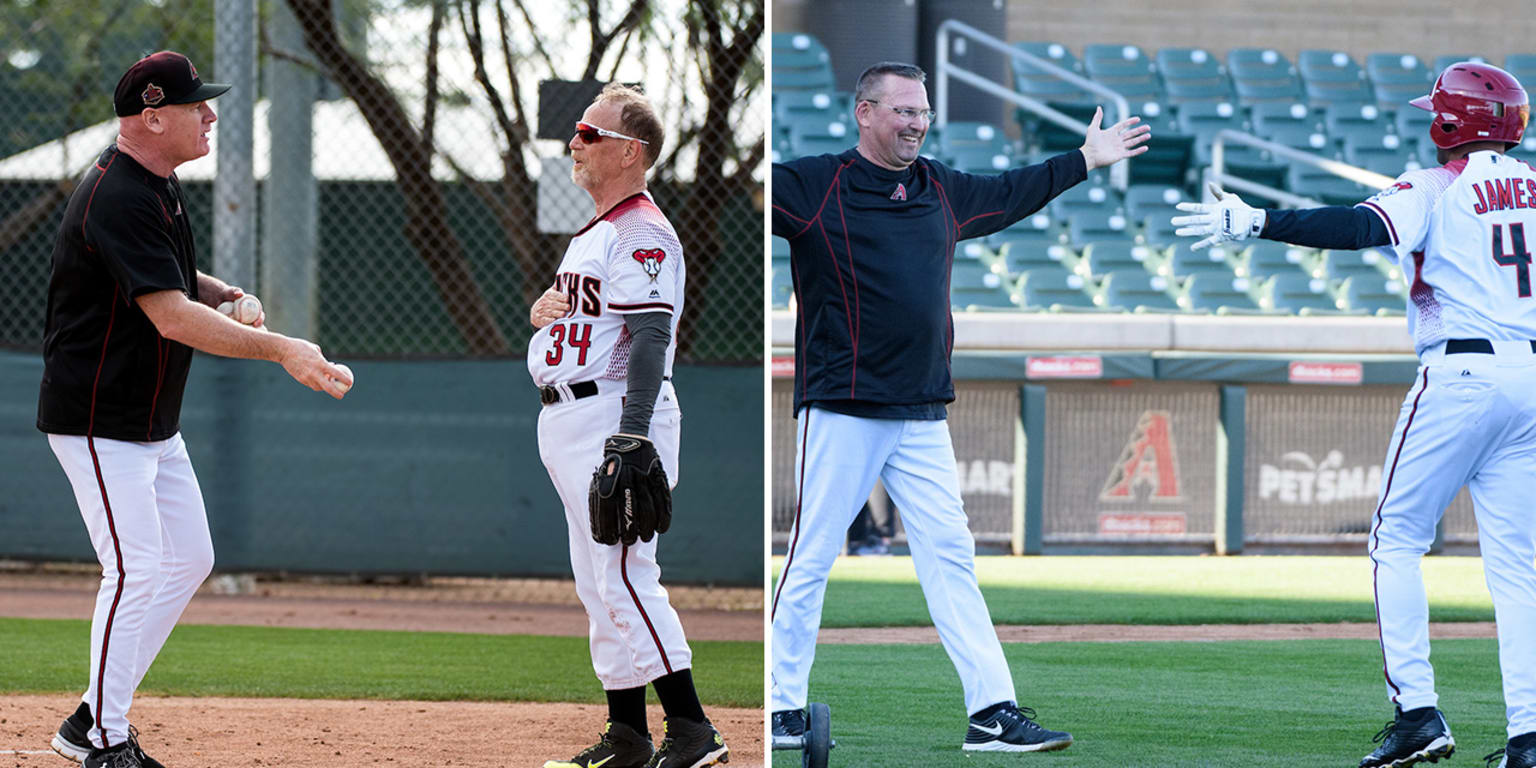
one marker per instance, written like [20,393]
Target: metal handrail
[1119,173]
[1217,171]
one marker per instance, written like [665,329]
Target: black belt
[550,395]
[1474,346]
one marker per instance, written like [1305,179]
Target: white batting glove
[1227,219]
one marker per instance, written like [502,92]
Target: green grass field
[42,655]
[1251,703]
[883,591]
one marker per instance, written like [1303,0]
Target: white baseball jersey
[1463,234]
[626,260]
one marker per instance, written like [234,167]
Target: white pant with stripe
[837,461]
[144,511]
[635,634]
[1470,420]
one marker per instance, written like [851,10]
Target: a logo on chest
[584,292]
[900,193]
[650,260]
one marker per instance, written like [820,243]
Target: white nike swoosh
[997,732]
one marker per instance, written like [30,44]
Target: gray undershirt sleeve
[649,334]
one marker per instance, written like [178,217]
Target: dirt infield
[1122,633]
[300,733]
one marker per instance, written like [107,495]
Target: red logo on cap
[152,94]
[194,69]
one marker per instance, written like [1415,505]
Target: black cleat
[1013,729]
[1419,735]
[689,744]
[789,722]
[71,740]
[124,755]
[1520,752]
[619,746]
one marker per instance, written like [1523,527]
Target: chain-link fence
[410,176]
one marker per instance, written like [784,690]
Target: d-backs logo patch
[650,260]
[900,193]
[152,94]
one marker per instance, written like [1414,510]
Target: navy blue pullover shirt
[871,250]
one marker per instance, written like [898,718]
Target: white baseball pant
[1470,419]
[144,511]
[635,634]
[838,460]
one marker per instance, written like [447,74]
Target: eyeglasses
[908,113]
[591,134]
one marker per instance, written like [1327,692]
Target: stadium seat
[1304,139]
[1189,65]
[1441,62]
[975,250]
[1016,257]
[1339,266]
[1374,294]
[1219,293]
[789,42]
[966,135]
[972,299]
[1185,262]
[1124,68]
[1084,197]
[792,107]
[1044,84]
[1038,228]
[1395,97]
[1295,292]
[1384,154]
[979,160]
[1321,93]
[1181,92]
[1100,259]
[1203,120]
[1318,184]
[831,138]
[1097,226]
[803,80]
[1251,93]
[1259,65]
[1341,118]
[1268,117]
[1136,291]
[973,275]
[1412,125]
[1143,200]
[1320,66]
[1047,289]
[1522,66]
[1266,258]
[1398,68]
[1157,232]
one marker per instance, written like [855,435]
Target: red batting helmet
[1475,102]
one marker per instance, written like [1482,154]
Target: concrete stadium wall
[1493,28]
[427,467]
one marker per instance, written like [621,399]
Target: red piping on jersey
[1376,533]
[858,319]
[624,574]
[949,273]
[794,274]
[961,225]
[87,214]
[825,196]
[101,484]
[789,557]
[1391,230]
[785,211]
[621,206]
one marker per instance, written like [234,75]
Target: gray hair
[872,77]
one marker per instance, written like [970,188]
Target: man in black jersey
[872,233]
[126,307]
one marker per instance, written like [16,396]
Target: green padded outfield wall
[425,468]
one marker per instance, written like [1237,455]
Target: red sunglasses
[591,134]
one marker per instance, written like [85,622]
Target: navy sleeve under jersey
[871,252]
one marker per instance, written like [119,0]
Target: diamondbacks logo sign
[152,94]
[650,260]
[1148,460]
[900,193]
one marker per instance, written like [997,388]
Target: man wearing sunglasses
[872,234]
[602,359]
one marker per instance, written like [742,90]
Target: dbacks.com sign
[1300,479]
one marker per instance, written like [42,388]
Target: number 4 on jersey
[1519,258]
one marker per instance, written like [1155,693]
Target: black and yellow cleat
[619,746]
[689,744]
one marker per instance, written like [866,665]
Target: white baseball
[247,309]
[338,386]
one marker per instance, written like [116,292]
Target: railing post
[1029,509]
[941,77]
[1230,461]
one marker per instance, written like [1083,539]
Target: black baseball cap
[159,79]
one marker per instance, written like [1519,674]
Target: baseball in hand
[243,310]
[336,386]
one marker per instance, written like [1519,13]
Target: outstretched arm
[1229,219]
